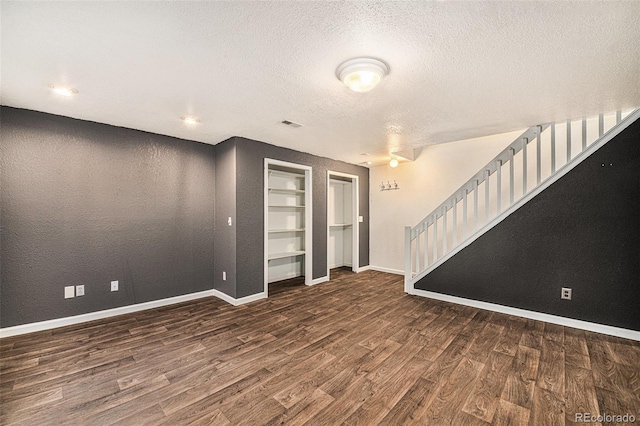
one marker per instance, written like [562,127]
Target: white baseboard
[240,301]
[92,316]
[319,280]
[387,270]
[553,319]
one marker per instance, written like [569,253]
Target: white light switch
[360,219]
[114,285]
[229,221]
[69,292]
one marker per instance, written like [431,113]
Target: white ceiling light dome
[362,74]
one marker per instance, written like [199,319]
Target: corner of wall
[225,238]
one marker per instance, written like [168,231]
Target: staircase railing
[532,162]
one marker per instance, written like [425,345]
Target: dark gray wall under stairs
[84,203]
[583,232]
[250,157]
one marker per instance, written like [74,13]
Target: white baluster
[511,178]
[568,140]
[418,251]
[538,156]
[407,258]
[475,205]
[553,148]
[426,244]
[525,141]
[455,221]
[600,125]
[486,196]
[444,231]
[435,238]
[465,214]
[499,187]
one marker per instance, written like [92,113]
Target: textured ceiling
[458,69]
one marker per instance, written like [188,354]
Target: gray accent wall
[583,232]
[250,157]
[85,203]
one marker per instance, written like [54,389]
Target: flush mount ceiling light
[393,162]
[64,90]
[362,74]
[190,120]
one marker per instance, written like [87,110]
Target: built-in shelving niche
[287,221]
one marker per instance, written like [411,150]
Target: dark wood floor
[355,350]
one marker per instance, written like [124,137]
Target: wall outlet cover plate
[69,292]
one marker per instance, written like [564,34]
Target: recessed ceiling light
[190,120]
[362,74]
[393,162]
[291,123]
[64,90]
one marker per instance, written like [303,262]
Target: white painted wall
[424,184]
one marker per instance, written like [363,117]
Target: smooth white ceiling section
[458,69]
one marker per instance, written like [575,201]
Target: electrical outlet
[566,293]
[224,276]
[114,285]
[79,290]
[69,292]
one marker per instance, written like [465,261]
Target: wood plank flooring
[355,350]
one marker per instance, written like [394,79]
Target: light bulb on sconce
[393,163]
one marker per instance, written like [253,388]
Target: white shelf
[286,174]
[275,231]
[273,256]
[340,225]
[285,207]
[287,191]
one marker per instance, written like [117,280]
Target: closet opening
[342,223]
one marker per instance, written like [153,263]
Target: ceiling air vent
[291,124]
